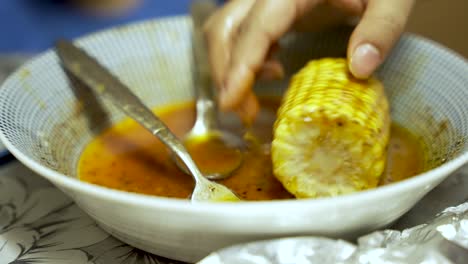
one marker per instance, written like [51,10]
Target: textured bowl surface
[46,120]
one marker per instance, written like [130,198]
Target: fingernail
[364,61]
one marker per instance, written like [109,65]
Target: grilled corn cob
[331,133]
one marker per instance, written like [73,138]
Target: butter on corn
[331,133]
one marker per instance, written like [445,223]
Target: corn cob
[331,133]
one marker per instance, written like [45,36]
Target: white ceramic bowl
[45,121]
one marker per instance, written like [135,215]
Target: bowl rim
[229,208]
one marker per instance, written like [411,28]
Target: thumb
[375,35]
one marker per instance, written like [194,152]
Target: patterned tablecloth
[39,224]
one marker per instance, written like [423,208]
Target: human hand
[242,37]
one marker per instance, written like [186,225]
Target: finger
[248,109]
[219,32]
[271,70]
[266,22]
[230,99]
[380,27]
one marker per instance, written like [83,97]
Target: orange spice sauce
[129,158]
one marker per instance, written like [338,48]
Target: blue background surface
[32,26]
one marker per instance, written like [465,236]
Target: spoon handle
[205,104]
[105,84]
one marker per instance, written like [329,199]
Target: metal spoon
[206,132]
[104,84]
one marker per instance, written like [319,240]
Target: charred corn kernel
[331,133]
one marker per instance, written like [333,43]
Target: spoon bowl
[206,147]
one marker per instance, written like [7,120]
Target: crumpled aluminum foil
[444,240]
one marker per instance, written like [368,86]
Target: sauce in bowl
[129,158]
